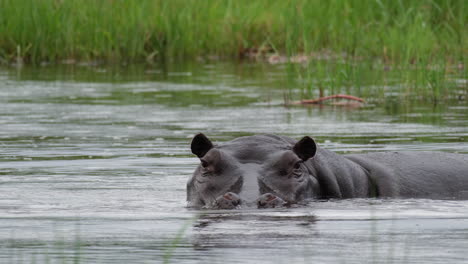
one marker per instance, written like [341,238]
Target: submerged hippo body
[270,171]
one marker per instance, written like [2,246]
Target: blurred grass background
[150,30]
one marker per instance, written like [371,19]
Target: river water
[94,162]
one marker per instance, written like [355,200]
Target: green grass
[376,81]
[393,31]
[416,48]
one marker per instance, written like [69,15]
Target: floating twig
[325,98]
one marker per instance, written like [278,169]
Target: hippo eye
[206,170]
[297,169]
[297,166]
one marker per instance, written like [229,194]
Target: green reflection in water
[408,93]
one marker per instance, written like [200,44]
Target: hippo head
[265,170]
[286,177]
[217,180]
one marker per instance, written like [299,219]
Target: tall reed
[391,30]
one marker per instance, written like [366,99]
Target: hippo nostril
[270,197]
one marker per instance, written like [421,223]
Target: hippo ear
[305,148]
[201,145]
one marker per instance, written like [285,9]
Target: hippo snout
[228,200]
[269,200]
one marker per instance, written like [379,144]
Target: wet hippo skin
[272,171]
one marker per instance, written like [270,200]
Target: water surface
[94,162]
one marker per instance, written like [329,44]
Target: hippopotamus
[273,171]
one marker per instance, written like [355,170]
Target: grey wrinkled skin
[231,167]
[227,201]
[269,200]
[270,171]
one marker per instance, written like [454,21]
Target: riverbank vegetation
[147,30]
[328,46]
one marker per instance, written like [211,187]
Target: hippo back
[417,174]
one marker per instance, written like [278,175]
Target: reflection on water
[355,231]
[94,164]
